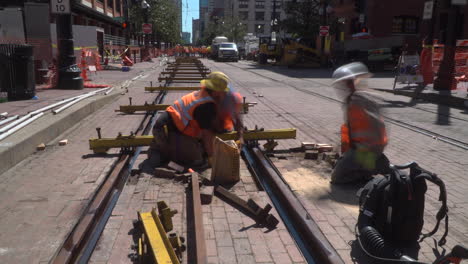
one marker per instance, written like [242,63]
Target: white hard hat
[351,71]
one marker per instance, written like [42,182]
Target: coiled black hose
[375,244]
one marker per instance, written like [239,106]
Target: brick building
[392,18]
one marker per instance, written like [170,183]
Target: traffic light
[124,25]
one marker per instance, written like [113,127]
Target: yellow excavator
[300,52]
[268,49]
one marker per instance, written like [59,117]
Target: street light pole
[145,7]
[69,74]
[445,77]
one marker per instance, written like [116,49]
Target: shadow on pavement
[319,73]
[443,117]
[344,193]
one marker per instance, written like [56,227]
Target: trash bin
[17,70]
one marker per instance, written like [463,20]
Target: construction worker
[185,132]
[363,136]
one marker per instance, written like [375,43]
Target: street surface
[43,196]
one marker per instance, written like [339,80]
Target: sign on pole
[324,30]
[60,6]
[147,28]
[428,7]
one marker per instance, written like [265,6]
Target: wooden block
[175,166]
[41,146]
[63,142]
[164,173]
[324,148]
[308,146]
[311,154]
[206,194]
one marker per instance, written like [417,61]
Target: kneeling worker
[363,136]
[184,133]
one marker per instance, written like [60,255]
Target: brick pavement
[44,195]
[231,237]
[285,104]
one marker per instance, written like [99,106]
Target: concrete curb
[23,143]
[452,101]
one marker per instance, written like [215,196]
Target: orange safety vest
[182,112]
[362,130]
[231,105]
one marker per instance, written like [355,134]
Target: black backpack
[394,205]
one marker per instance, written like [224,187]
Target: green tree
[163,15]
[232,28]
[302,18]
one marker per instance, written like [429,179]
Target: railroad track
[446,139]
[80,243]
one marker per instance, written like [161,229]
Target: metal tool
[249,208]
[102,145]
[155,239]
[169,88]
[130,109]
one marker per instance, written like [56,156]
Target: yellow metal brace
[157,238]
[180,88]
[102,145]
[130,109]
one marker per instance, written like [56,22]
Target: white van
[228,51]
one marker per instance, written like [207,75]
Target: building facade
[395,18]
[186,37]
[195,30]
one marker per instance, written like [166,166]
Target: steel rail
[312,243]
[197,221]
[80,243]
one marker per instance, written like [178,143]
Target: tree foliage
[303,19]
[164,15]
[231,27]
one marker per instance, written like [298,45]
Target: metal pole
[69,74]
[445,77]
[324,23]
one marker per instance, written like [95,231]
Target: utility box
[17,71]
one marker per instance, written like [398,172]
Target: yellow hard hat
[216,81]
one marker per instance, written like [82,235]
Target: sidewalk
[454,98]
[44,195]
[19,145]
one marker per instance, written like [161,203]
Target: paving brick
[220,224]
[294,253]
[234,217]
[255,236]
[242,246]
[211,248]
[226,255]
[223,239]
[218,212]
[213,260]
[274,242]
[261,253]
[245,259]
[238,231]
[281,257]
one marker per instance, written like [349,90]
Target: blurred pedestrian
[363,135]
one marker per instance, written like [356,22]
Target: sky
[189,11]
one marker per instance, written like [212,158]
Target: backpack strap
[443,211]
